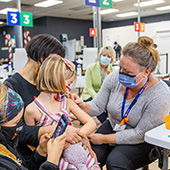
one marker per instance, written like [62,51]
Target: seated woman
[11,127]
[23,82]
[136,102]
[54,78]
[96,74]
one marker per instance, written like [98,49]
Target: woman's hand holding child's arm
[99,139]
[72,135]
[83,105]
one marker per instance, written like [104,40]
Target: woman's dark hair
[42,45]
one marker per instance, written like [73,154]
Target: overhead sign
[139,27]
[106,3]
[22,18]
[99,3]
[142,27]
[93,32]
[26,19]
[92,3]
[13,18]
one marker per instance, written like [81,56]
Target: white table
[160,136]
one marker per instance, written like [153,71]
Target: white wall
[159,31]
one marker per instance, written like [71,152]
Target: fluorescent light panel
[149,3]
[48,3]
[128,14]
[117,0]
[163,8]
[5,0]
[5,10]
[108,11]
[1,22]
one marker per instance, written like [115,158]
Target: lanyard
[133,102]
[102,75]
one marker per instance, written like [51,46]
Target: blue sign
[13,18]
[92,2]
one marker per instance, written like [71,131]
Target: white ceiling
[76,9]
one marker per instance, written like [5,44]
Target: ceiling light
[1,22]
[5,0]
[127,14]
[148,3]
[108,11]
[117,0]
[48,3]
[5,10]
[163,8]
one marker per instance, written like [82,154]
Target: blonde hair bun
[145,41]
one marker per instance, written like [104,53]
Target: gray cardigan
[147,113]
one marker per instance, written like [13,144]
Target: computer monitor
[19,59]
[70,49]
[89,56]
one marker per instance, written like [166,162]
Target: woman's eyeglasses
[129,75]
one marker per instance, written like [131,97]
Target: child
[54,78]
[11,131]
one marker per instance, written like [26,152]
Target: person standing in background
[96,73]
[117,48]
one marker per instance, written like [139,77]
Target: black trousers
[121,157]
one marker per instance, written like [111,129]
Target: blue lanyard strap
[133,102]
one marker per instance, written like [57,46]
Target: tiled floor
[153,166]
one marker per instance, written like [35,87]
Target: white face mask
[105,60]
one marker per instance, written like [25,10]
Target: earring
[36,68]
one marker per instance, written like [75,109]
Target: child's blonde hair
[52,75]
[68,74]
[3,101]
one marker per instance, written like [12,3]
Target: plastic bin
[167,121]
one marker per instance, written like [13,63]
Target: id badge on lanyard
[121,126]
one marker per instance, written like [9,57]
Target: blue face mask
[105,60]
[128,80]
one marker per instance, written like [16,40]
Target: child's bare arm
[89,124]
[29,115]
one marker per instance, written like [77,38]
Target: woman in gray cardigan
[136,102]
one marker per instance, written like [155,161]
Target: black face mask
[10,133]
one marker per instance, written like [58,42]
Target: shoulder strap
[39,105]
[45,112]
[64,104]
